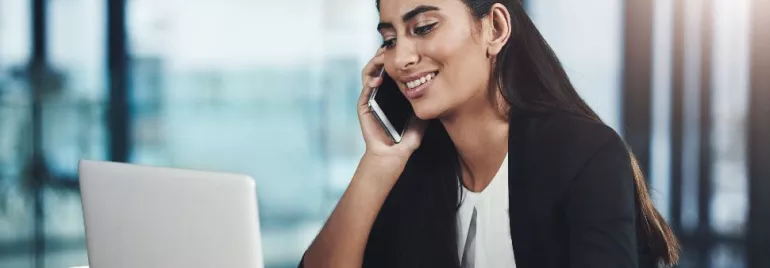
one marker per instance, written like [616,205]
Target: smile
[416,88]
[422,80]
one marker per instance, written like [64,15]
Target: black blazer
[572,195]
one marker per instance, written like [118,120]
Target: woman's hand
[378,144]
[343,238]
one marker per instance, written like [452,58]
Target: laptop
[147,217]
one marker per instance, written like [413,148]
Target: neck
[480,135]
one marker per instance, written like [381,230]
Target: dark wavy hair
[531,79]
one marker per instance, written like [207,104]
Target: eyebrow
[408,16]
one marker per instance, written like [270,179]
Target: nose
[406,55]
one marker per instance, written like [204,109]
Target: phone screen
[393,103]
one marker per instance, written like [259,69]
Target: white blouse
[489,245]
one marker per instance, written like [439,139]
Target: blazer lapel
[521,227]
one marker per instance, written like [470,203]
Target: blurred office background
[256,87]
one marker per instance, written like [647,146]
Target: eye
[389,43]
[424,30]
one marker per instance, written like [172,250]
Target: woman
[504,164]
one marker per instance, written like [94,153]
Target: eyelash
[421,31]
[424,30]
[389,43]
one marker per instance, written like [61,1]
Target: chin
[425,111]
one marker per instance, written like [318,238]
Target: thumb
[414,132]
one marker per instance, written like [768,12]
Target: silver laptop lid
[140,216]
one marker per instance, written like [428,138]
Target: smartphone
[391,108]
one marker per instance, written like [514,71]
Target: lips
[417,87]
[419,81]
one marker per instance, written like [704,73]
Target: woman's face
[435,54]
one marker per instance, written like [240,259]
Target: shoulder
[565,133]
[563,143]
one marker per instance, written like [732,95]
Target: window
[232,86]
[587,38]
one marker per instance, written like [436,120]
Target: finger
[370,82]
[379,58]
[371,76]
[367,90]
[379,51]
[372,67]
[374,82]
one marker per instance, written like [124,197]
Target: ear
[497,28]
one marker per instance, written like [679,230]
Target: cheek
[462,62]
[460,58]
[446,44]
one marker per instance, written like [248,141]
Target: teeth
[420,81]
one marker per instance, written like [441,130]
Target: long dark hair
[531,79]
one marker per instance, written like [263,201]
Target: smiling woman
[503,165]
[446,48]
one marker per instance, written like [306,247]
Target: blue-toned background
[268,88]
